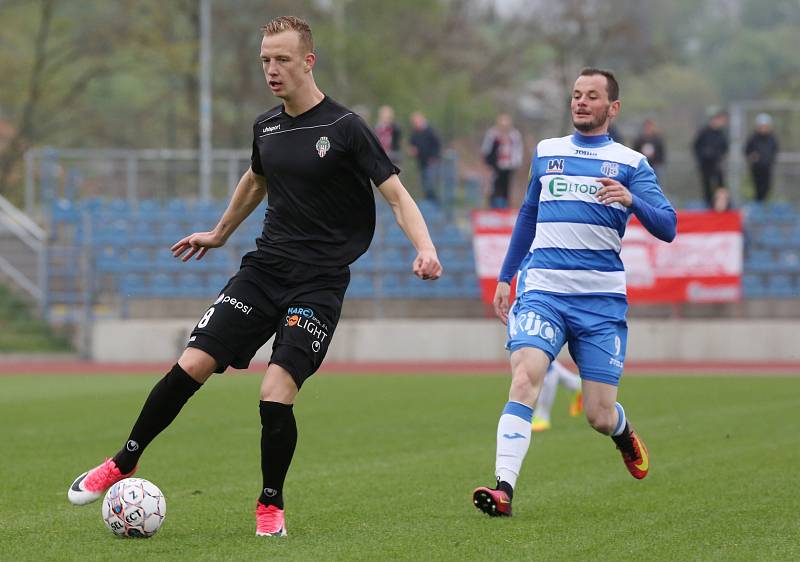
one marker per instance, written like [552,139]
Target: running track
[60,367]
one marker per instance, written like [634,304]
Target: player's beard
[587,126]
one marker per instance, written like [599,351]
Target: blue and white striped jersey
[577,239]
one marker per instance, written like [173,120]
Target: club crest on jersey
[556,166]
[609,169]
[323,146]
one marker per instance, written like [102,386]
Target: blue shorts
[593,327]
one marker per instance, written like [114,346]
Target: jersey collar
[591,141]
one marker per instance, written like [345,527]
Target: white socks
[513,439]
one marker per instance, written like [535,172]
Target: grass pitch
[385,467]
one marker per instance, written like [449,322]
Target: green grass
[385,467]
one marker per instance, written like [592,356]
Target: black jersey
[318,167]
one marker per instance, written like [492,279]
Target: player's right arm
[249,193]
[518,247]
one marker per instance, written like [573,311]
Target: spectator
[710,147]
[389,133]
[761,150]
[426,147]
[502,152]
[722,200]
[651,144]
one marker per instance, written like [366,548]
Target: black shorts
[298,303]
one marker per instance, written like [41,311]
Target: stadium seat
[789,261]
[144,233]
[773,237]
[132,285]
[191,285]
[781,286]
[176,209]
[752,286]
[781,213]
[162,286]
[391,258]
[138,261]
[393,285]
[759,261]
[110,234]
[148,210]
[64,211]
[366,263]
[361,286]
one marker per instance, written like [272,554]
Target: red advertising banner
[703,263]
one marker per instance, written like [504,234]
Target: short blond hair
[291,23]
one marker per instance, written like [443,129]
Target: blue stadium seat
[781,286]
[773,237]
[215,283]
[366,263]
[781,212]
[391,259]
[176,209]
[789,261]
[148,210]
[170,232]
[145,233]
[162,286]
[752,286]
[64,211]
[114,209]
[759,261]
[113,234]
[132,285]
[361,286]
[164,262]
[138,261]
[109,261]
[191,285]
[393,285]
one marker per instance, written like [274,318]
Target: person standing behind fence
[427,148]
[761,151]
[710,147]
[651,144]
[389,133]
[502,152]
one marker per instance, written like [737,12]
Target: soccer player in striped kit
[565,250]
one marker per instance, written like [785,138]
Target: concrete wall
[472,340]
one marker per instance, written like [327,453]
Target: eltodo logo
[609,169]
[323,146]
[560,186]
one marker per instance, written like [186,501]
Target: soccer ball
[134,507]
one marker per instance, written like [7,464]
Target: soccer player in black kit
[316,159]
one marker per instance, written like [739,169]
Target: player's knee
[197,363]
[278,385]
[601,419]
[522,389]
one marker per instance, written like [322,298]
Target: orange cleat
[576,404]
[492,502]
[635,454]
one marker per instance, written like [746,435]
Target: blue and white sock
[621,420]
[513,439]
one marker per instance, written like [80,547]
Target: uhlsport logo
[560,186]
[132,445]
[609,169]
[323,146]
[273,128]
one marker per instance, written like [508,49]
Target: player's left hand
[426,265]
[614,192]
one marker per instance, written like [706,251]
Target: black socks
[278,440]
[624,441]
[504,486]
[161,407]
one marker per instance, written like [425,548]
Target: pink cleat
[269,521]
[89,486]
[492,502]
